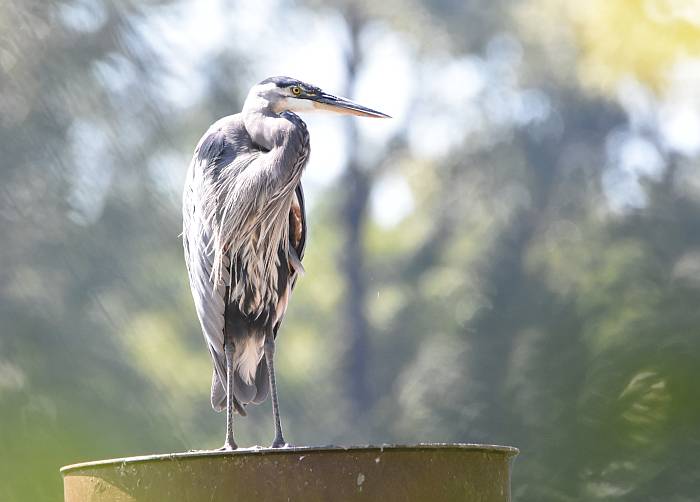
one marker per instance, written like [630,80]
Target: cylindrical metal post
[428,472]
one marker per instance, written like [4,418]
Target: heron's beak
[344,106]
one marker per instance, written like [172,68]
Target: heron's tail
[218,393]
[218,396]
[250,379]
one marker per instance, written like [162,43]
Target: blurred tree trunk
[355,186]
[514,308]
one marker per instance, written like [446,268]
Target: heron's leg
[230,444]
[278,442]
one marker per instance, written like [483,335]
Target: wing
[214,151]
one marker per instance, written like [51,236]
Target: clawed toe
[228,447]
[279,443]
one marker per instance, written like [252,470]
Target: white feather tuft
[247,355]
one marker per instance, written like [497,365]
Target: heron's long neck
[294,149]
[285,140]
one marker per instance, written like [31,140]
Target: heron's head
[281,94]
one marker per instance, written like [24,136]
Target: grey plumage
[234,205]
[244,234]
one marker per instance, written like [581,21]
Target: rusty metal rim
[508,451]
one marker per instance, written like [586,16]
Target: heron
[244,235]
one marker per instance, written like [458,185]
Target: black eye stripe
[286,82]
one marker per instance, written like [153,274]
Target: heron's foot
[279,442]
[229,446]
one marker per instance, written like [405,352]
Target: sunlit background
[513,259]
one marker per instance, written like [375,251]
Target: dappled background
[513,259]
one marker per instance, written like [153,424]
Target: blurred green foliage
[541,291]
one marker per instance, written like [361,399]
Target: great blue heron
[244,232]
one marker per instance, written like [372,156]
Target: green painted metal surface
[428,472]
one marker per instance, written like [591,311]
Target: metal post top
[406,473]
[506,452]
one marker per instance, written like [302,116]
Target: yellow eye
[296,90]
